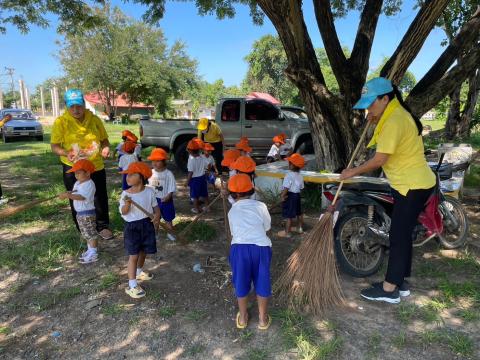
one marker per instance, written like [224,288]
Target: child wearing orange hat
[196,179]
[127,135]
[139,231]
[286,148]
[229,158]
[128,157]
[210,166]
[163,183]
[292,187]
[245,165]
[250,252]
[243,147]
[82,195]
[274,153]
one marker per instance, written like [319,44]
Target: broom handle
[196,218]
[150,215]
[354,155]
[225,217]
[16,209]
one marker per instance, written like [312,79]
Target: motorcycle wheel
[455,223]
[357,251]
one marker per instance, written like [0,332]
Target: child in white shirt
[196,179]
[274,153]
[126,159]
[82,195]
[210,167]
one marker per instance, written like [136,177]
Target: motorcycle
[364,219]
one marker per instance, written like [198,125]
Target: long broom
[12,210]
[311,276]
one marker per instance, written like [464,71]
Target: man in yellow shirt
[6,119]
[400,152]
[79,134]
[211,133]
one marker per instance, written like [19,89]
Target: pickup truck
[257,119]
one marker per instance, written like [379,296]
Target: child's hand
[64,195]
[156,221]
[284,197]
[224,192]
[128,200]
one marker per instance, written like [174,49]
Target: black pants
[218,155]
[100,200]
[406,210]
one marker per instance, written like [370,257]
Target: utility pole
[42,101]
[10,72]
[22,94]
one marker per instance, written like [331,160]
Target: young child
[139,232]
[274,153]
[163,182]
[210,166]
[245,165]
[197,181]
[292,186]
[82,195]
[286,148]
[229,158]
[127,135]
[243,147]
[128,157]
[250,253]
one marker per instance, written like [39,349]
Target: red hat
[158,154]
[243,146]
[194,145]
[138,168]
[208,147]
[128,147]
[129,136]
[240,183]
[244,164]
[82,164]
[278,139]
[297,160]
[229,157]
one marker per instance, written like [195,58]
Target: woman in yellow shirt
[211,133]
[79,133]
[400,153]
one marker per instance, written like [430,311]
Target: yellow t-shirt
[2,122]
[213,135]
[68,131]
[397,135]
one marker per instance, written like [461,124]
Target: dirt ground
[82,312]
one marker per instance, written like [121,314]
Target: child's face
[82,175]
[277,144]
[158,165]
[290,165]
[134,179]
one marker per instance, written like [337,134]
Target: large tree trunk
[453,113]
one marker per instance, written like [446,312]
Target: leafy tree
[9,97]
[406,84]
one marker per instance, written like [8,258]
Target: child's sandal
[137,292]
[145,276]
[267,325]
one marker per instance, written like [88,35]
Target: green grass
[196,315]
[195,350]
[246,335]
[312,196]
[406,312]
[459,343]
[374,341]
[5,330]
[469,315]
[200,231]
[112,309]
[428,312]
[400,340]
[435,124]
[472,178]
[108,280]
[257,354]
[45,301]
[167,311]
[453,290]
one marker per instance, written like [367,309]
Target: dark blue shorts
[292,207]
[139,236]
[211,177]
[167,210]
[251,263]
[198,187]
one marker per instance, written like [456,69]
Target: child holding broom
[292,187]
[196,178]
[163,182]
[139,232]
[82,195]
[210,166]
[250,253]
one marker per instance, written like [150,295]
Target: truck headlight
[8,129]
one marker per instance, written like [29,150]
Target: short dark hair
[236,195]
[294,168]
[196,151]
[124,138]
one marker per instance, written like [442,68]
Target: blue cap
[74,97]
[373,88]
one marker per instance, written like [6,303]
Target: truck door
[230,122]
[263,121]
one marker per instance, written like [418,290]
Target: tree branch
[413,40]
[359,60]
[326,26]
[423,101]
[467,36]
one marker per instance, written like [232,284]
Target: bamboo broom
[12,210]
[311,276]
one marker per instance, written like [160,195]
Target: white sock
[132,283]
[139,271]
[89,247]
[92,250]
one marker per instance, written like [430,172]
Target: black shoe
[404,289]
[376,293]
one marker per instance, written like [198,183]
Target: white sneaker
[300,230]
[90,258]
[84,254]
[171,237]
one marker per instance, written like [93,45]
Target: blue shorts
[211,177]
[167,210]
[251,263]
[292,207]
[198,187]
[139,236]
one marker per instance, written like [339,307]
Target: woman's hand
[347,174]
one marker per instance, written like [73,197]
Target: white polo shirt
[209,161]
[249,222]
[162,182]
[145,199]
[87,190]
[274,152]
[293,182]
[196,165]
[126,160]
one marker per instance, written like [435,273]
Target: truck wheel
[5,138]
[306,147]
[181,156]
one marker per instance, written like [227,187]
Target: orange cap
[278,139]
[229,157]
[283,136]
[138,168]
[240,183]
[297,160]
[83,164]
[158,154]
[245,164]
[208,147]
[193,145]
[243,146]
[129,136]
[129,147]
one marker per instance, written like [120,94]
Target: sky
[219,46]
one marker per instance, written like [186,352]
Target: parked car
[24,124]
[257,119]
